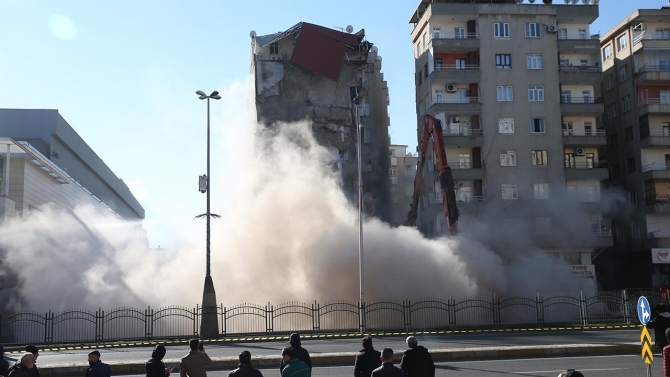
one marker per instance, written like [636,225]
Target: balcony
[656,171]
[454,42]
[648,40]
[661,205]
[593,138]
[655,139]
[465,171]
[592,238]
[592,204]
[581,106]
[463,137]
[653,75]
[578,43]
[585,171]
[660,106]
[658,240]
[578,74]
[456,106]
[456,74]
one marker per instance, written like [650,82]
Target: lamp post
[357,102]
[209,325]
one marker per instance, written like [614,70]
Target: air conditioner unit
[580,151]
[259,56]
[451,88]
[552,28]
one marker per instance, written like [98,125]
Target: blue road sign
[643,310]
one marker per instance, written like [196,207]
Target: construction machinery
[432,131]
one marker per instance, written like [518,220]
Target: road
[140,354]
[592,366]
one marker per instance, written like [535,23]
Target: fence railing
[592,132]
[655,166]
[579,68]
[654,68]
[462,131]
[653,101]
[456,100]
[582,165]
[582,99]
[455,67]
[562,36]
[453,35]
[80,326]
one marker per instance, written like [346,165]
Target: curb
[347,358]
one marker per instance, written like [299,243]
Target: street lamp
[357,103]
[209,324]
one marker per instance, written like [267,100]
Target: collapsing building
[313,73]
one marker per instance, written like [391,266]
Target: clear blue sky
[124,73]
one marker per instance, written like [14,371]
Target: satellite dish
[349,29]
[56,153]
[575,1]
[586,2]
[567,1]
[595,2]
[252,34]
[519,1]
[531,1]
[375,49]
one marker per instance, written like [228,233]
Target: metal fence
[79,326]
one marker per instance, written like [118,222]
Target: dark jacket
[366,361]
[660,324]
[296,368]
[4,366]
[34,372]
[155,367]
[99,369]
[245,370]
[18,370]
[300,353]
[388,370]
[417,362]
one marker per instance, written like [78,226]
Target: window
[421,108]
[508,158]
[533,30]
[506,125]
[567,128]
[611,111]
[582,34]
[543,225]
[509,191]
[367,135]
[464,161]
[505,94]
[503,61]
[534,61]
[621,42]
[564,62]
[625,104]
[425,71]
[393,171]
[665,97]
[459,33]
[460,63]
[632,197]
[418,48]
[537,126]
[572,258]
[628,134]
[541,190]
[588,128]
[464,194]
[630,165]
[536,93]
[420,78]
[501,30]
[425,37]
[439,96]
[584,62]
[539,158]
[562,33]
[364,109]
[437,32]
[662,33]
[635,230]
[437,64]
[607,53]
[609,84]
[566,96]
[274,48]
[623,73]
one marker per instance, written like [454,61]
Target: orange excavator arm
[432,130]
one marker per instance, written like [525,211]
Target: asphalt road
[141,354]
[593,366]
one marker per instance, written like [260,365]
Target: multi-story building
[313,73]
[402,172]
[516,88]
[636,83]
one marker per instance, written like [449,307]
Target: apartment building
[516,87]
[402,172]
[636,83]
[310,72]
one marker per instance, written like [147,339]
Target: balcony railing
[456,100]
[579,68]
[604,232]
[454,67]
[462,132]
[582,165]
[653,101]
[470,199]
[583,99]
[584,133]
[661,204]
[453,35]
[575,36]
[646,36]
[653,68]
[655,166]
[463,165]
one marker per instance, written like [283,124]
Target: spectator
[387,369]
[367,360]
[666,355]
[22,367]
[299,352]
[571,373]
[416,361]
[33,371]
[155,367]
[245,369]
[660,323]
[96,367]
[195,363]
[291,366]
[4,364]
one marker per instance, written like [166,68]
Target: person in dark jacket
[292,366]
[387,369]
[416,361]
[299,352]
[155,367]
[96,367]
[367,360]
[4,364]
[36,352]
[245,369]
[660,323]
[23,366]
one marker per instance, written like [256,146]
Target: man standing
[387,369]
[299,352]
[36,353]
[245,369]
[367,360]
[291,366]
[96,367]
[416,361]
[660,324]
[4,364]
[23,366]
[155,367]
[195,363]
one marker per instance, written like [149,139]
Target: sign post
[644,315]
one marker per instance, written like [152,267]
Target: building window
[506,125]
[534,61]
[625,104]
[274,48]
[505,94]
[420,78]
[630,165]
[421,108]
[537,125]
[508,158]
[509,191]
[609,83]
[665,97]
[635,230]
[367,135]
[572,258]
[539,158]
[628,134]
[543,226]
[464,161]
[459,33]
[623,73]
[533,30]
[621,42]
[501,30]
[541,190]
[393,171]
[437,33]
[607,52]
[611,111]
[425,71]
[632,197]
[536,93]
[503,61]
